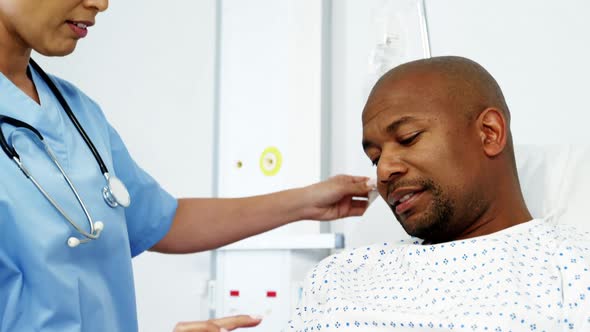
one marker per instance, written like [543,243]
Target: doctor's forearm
[202,224]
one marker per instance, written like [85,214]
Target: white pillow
[555,180]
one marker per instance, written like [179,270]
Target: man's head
[438,131]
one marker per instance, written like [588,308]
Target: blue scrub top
[44,284]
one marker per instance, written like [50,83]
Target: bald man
[438,132]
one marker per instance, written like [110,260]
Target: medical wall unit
[272,132]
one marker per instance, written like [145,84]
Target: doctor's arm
[207,223]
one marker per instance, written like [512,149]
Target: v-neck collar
[46,97]
[17,104]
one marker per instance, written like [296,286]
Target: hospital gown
[530,277]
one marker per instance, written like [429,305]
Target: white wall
[150,65]
[537,51]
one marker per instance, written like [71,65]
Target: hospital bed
[555,180]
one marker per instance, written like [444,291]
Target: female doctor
[75,207]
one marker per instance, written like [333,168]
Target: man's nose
[390,167]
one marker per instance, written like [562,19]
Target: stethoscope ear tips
[73,242]
[98,226]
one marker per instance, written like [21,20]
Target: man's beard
[434,223]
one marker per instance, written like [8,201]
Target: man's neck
[492,225]
[505,210]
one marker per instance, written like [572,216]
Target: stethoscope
[114,192]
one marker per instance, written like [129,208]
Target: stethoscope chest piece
[115,193]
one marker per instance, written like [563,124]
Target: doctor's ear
[492,127]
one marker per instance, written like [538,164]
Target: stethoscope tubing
[23,168]
[64,104]
[9,150]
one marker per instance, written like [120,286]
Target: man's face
[426,154]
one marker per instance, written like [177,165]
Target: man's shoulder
[572,232]
[562,234]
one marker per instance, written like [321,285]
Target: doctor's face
[426,154]
[51,27]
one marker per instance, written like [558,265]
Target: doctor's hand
[219,324]
[335,198]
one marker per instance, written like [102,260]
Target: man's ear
[493,128]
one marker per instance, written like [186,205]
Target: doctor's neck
[14,59]
[14,54]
